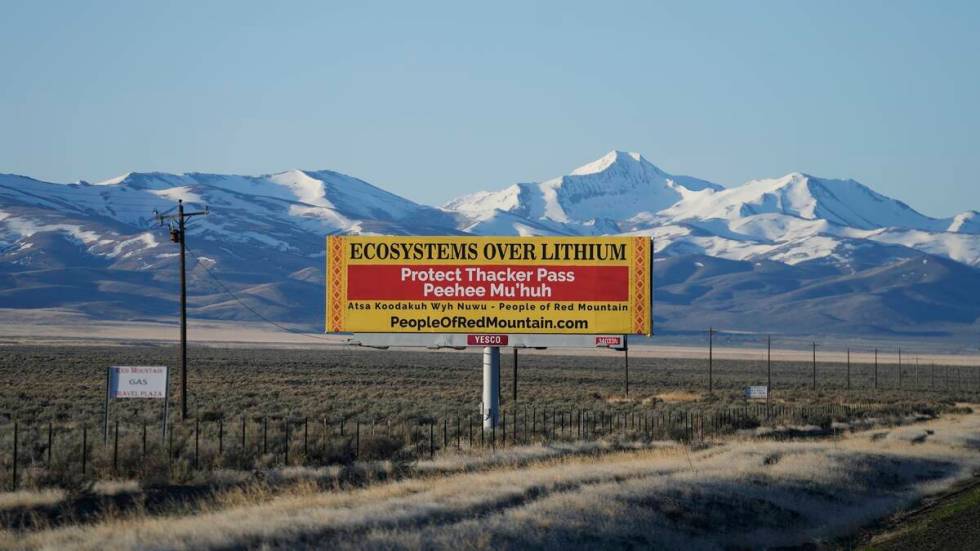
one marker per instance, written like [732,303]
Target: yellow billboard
[489,285]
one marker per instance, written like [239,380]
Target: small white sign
[756,392]
[137,381]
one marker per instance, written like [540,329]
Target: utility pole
[917,372]
[626,364]
[515,377]
[768,372]
[814,367]
[177,235]
[711,352]
[899,368]
[876,369]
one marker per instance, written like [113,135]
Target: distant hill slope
[792,254]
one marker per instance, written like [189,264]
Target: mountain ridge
[97,248]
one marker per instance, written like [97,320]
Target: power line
[246,306]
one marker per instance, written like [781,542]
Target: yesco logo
[608,340]
[486,340]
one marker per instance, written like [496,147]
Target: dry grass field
[42,383]
[732,493]
[748,485]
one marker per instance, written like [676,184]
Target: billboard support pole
[491,390]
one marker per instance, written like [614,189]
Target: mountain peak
[613,158]
[114,181]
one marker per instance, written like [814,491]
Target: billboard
[489,285]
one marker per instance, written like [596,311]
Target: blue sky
[431,100]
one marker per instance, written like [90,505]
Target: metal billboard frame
[490,404]
[459,341]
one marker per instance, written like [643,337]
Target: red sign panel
[486,340]
[609,340]
[487,283]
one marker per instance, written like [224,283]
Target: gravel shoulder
[949,522]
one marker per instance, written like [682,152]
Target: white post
[490,408]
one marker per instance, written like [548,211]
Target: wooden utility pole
[177,235]
[626,364]
[515,376]
[768,371]
[917,372]
[711,352]
[876,369]
[814,366]
[900,368]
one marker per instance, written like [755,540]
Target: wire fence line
[69,454]
[833,367]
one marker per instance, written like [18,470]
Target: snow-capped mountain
[805,253]
[596,198]
[791,219]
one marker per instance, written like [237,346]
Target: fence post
[513,437]
[357,439]
[493,437]
[13,478]
[115,448]
[503,428]
[432,442]
[265,435]
[197,439]
[84,448]
[50,442]
[286,446]
[306,438]
[525,425]
[534,420]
